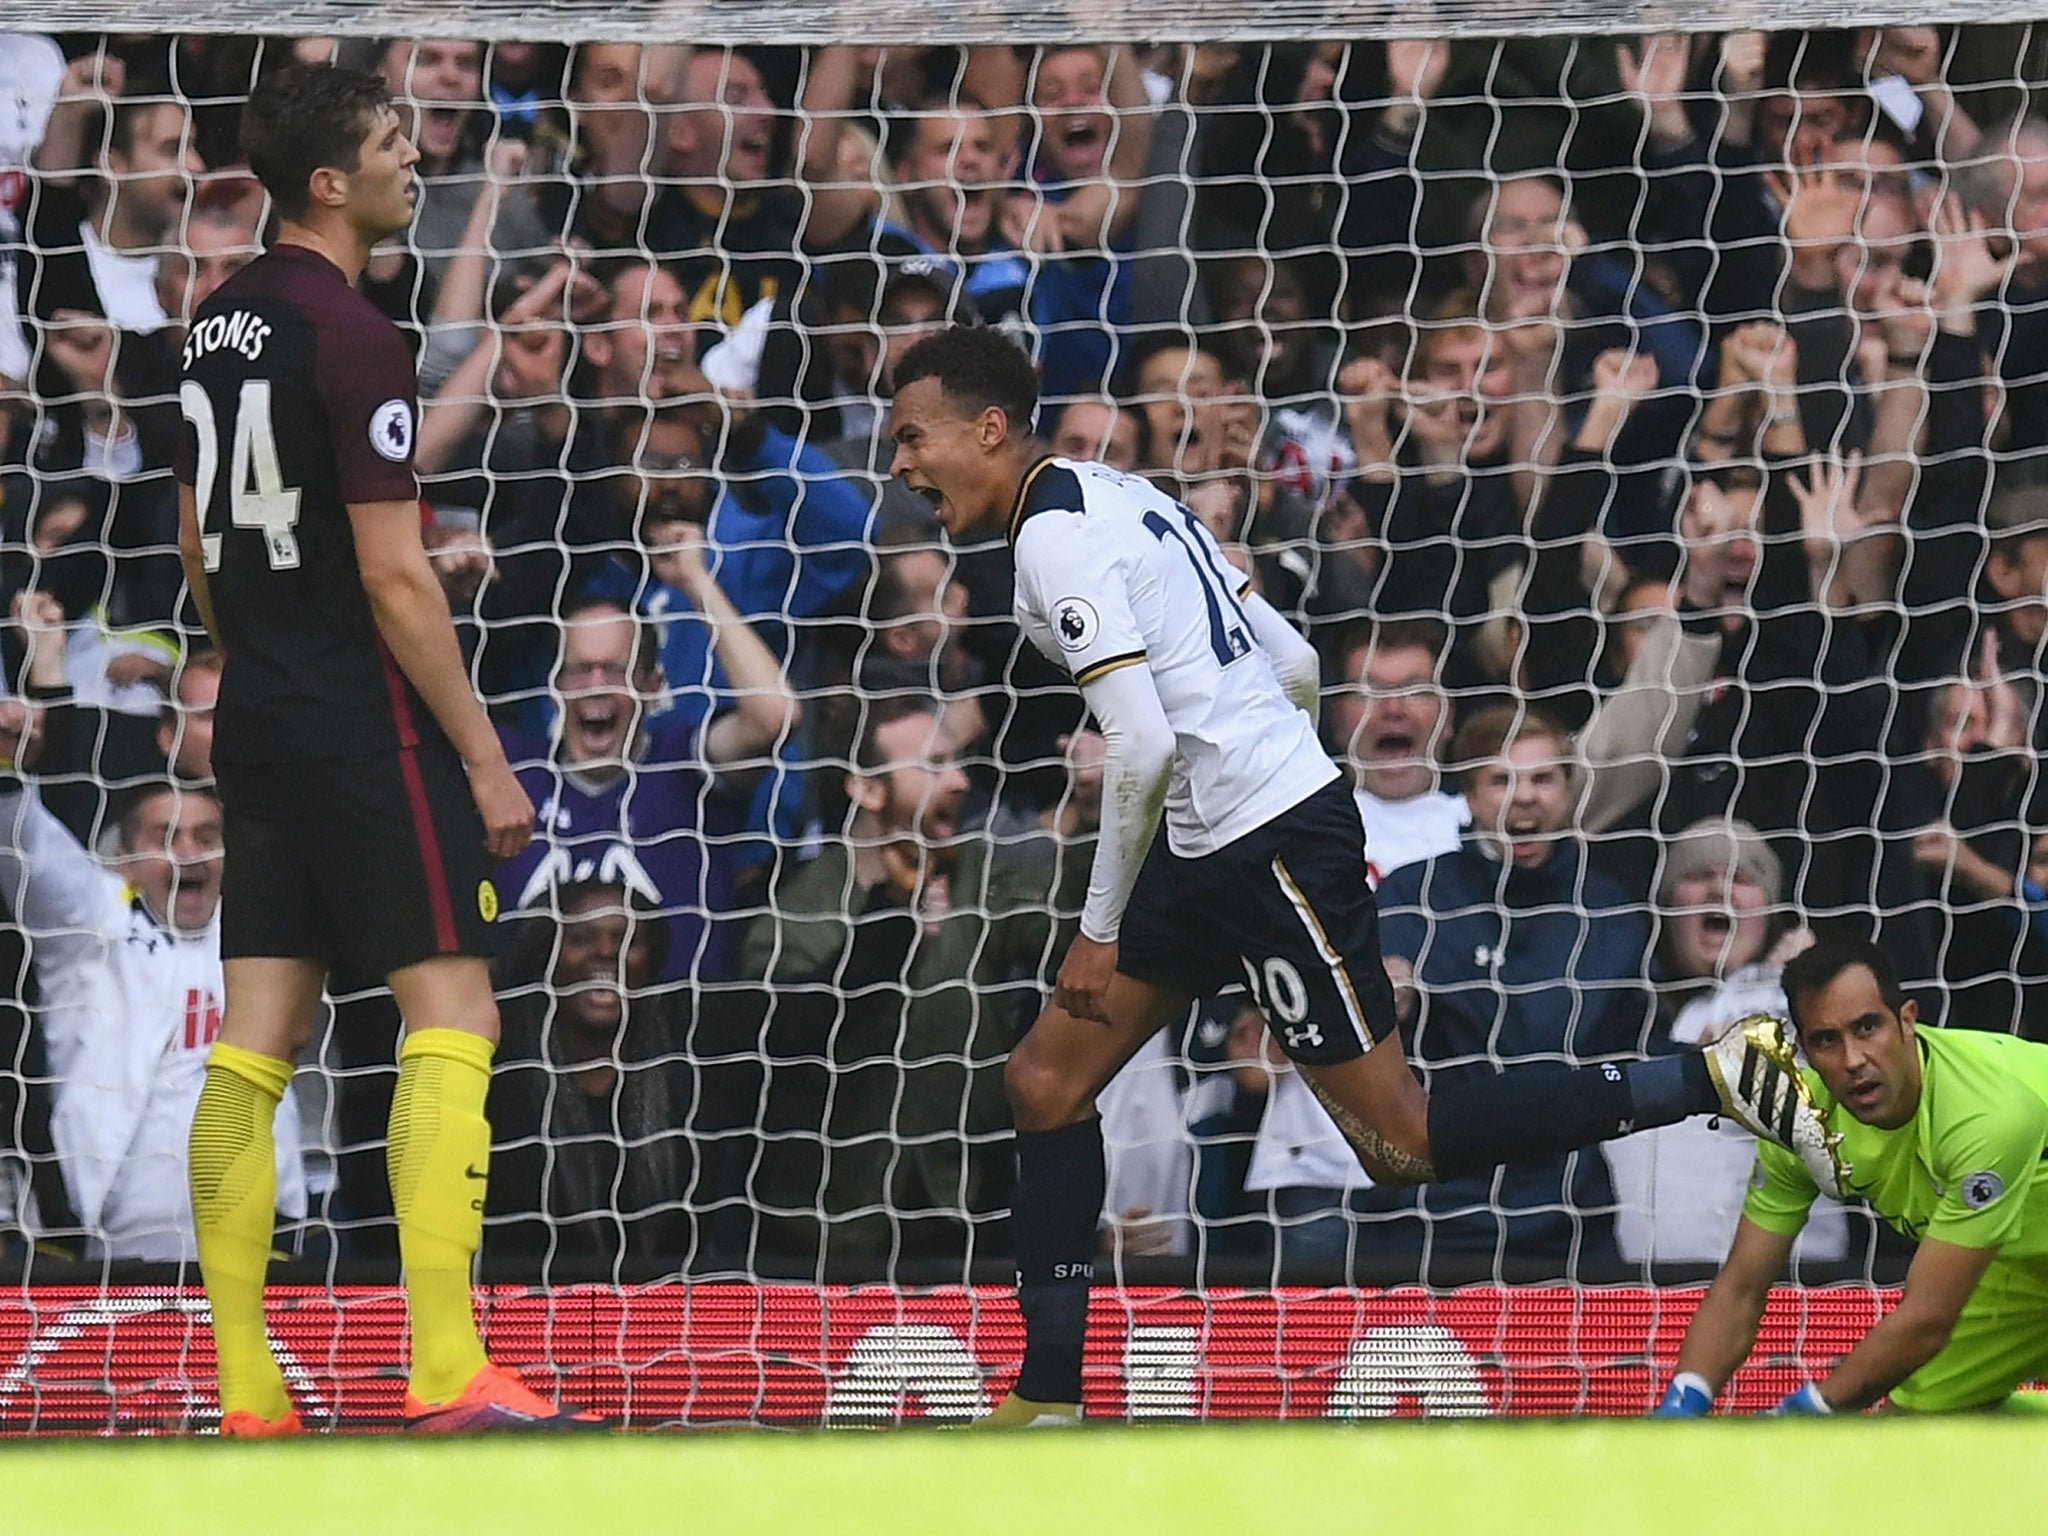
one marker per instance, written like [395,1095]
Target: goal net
[1647,428]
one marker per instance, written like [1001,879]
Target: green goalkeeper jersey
[1967,1169]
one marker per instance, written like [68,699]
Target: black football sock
[1061,1177]
[1528,1112]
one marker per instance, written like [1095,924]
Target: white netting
[1516,371]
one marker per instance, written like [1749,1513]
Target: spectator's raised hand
[97,77]
[462,560]
[1760,354]
[1970,264]
[1794,943]
[1368,390]
[1622,379]
[1911,53]
[1821,205]
[2005,713]
[40,616]
[45,638]
[533,352]
[21,734]
[506,162]
[1415,73]
[1416,67]
[1742,63]
[1032,224]
[1828,515]
[679,559]
[1945,857]
[1655,75]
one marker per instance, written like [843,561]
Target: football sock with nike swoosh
[232,1166]
[439,1160]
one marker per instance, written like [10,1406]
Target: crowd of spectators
[1651,433]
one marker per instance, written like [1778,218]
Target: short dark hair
[129,807]
[131,108]
[868,757]
[646,638]
[889,598]
[1419,632]
[1815,968]
[302,118]
[976,367]
[530,958]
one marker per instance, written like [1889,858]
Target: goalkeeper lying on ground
[1943,1132]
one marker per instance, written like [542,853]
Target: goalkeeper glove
[1688,1397]
[1805,1403]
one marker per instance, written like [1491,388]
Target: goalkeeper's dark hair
[976,367]
[303,118]
[1813,970]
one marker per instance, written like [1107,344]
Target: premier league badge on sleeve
[1074,623]
[1980,1189]
[391,430]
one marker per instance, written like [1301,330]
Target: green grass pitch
[1741,1477]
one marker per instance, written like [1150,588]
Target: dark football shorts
[369,864]
[1285,911]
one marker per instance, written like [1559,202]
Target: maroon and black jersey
[298,399]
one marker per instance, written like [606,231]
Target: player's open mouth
[1716,925]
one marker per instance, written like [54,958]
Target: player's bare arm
[190,557]
[411,614]
[1723,1331]
[1137,766]
[1938,1284]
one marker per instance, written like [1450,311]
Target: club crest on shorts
[391,430]
[1074,623]
[487,901]
[1980,1189]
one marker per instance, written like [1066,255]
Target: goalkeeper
[1943,1132]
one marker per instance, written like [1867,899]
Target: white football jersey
[1112,572]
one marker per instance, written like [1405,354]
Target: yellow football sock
[233,1172]
[440,1153]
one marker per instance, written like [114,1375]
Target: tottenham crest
[391,430]
[1074,623]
